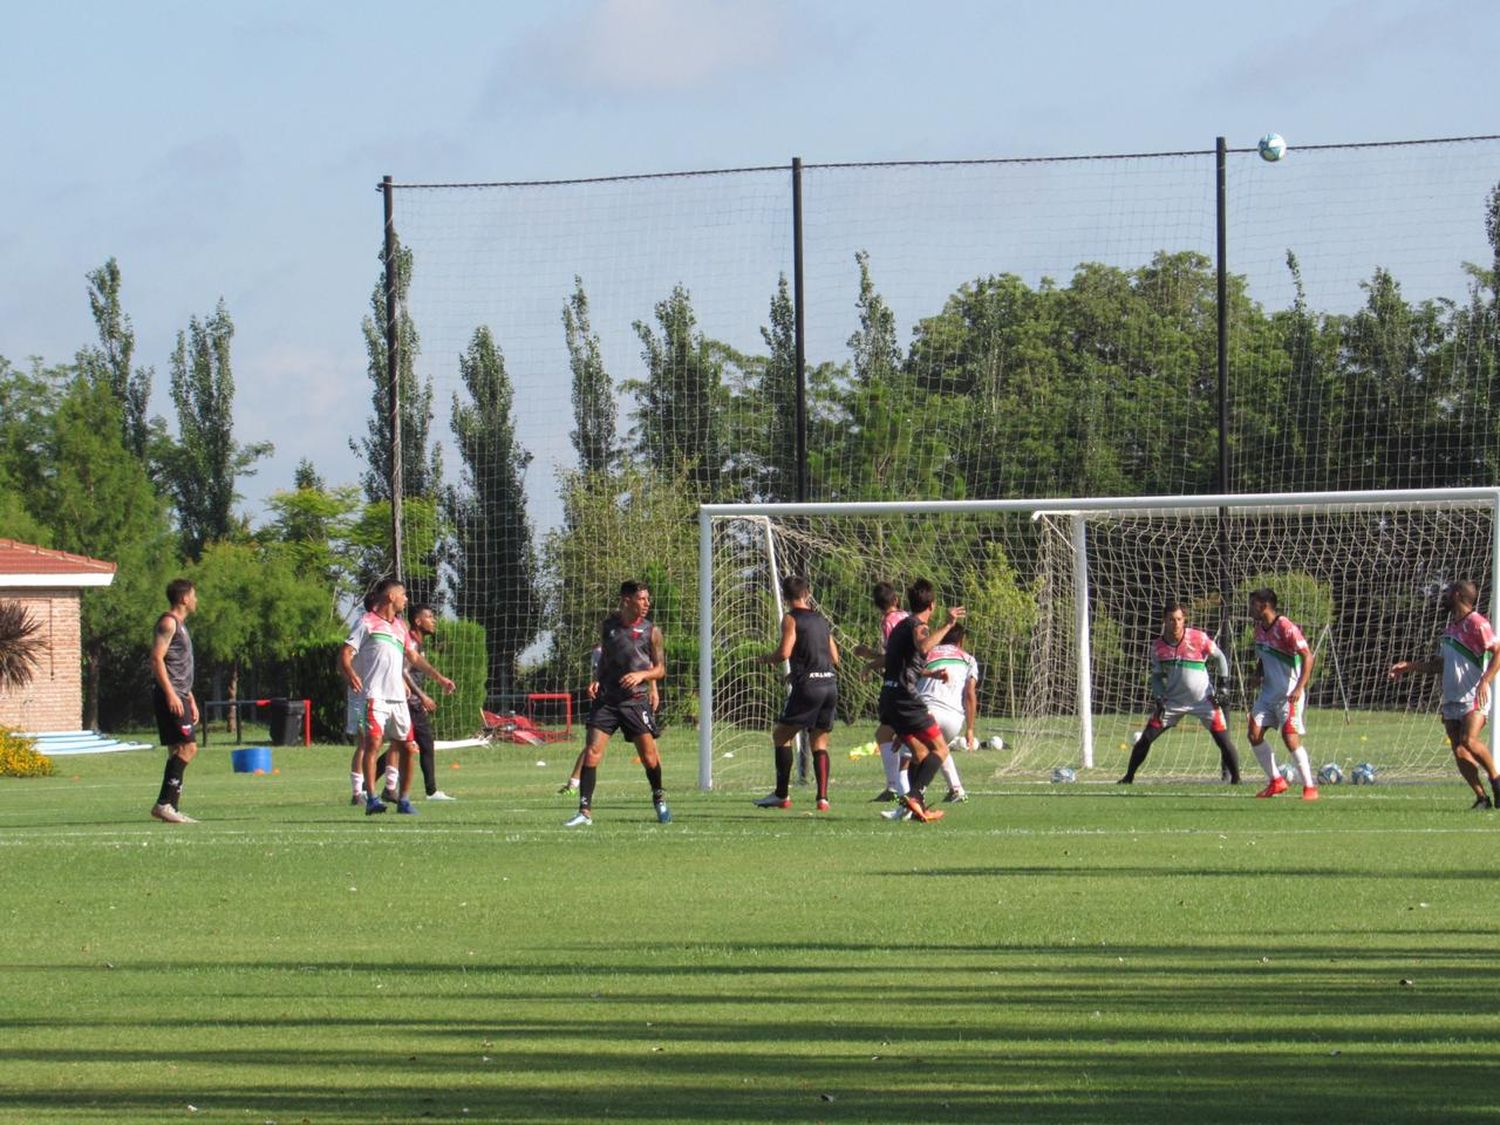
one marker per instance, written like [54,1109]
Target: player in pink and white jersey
[1180,685]
[1467,659]
[1286,664]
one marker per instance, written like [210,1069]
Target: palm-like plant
[21,646]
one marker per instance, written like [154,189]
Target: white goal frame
[1078,509]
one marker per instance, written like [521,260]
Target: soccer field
[1045,953]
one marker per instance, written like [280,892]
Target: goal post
[1065,594]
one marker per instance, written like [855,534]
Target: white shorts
[354,706]
[1277,713]
[1458,712]
[951,723]
[1204,711]
[388,719]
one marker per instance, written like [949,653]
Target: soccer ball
[1364,774]
[996,742]
[1062,775]
[1288,772]
[1272,147]
[1331,774]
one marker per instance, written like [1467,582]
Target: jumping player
[1180,686]
[631,657]
[172,697]
[888,602]
[950,688]
[1467,659]
[807,644]
[901,707]
[1286,664]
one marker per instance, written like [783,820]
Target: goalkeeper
[1180,686]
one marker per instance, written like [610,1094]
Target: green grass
[1081,953]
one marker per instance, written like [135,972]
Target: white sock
[393,777]
[1266,757]
[903,782]
[892,763]
[950,773]
[1304,767]
[357,780]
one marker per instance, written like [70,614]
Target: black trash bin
[286,721]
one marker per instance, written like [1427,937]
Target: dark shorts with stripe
[905,714]
[811,705]
[173,730]
[632,716]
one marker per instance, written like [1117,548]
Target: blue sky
[231,149]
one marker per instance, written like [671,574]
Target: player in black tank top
[901,707]
[808,649]
[631,661]
[172,697]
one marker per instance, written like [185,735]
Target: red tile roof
[27,559]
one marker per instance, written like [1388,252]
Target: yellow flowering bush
[19,756]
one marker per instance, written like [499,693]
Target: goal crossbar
[1079,508]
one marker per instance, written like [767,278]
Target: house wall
[53,701]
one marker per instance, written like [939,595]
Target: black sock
[922,774]
[784,755]
[171,781]
[1138,753]
[587,776]
[820,770]
[653,776]
[1229,760]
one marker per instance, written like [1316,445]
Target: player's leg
[784,748]
[571,785]
[1463,736]
[645,748]
[1229,759]
[1291,735]
[180,739]
[374,737]
[357,770]
[822,765]
[391,774]
[890,761]
[1153,730]
[1262,715]
[928,752]
[951,724]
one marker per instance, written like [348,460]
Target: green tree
[778,397]
[206,462]
[680,404]
[493,561]
[594,407]
[111,361]
[316,525]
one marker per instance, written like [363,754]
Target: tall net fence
[1024,328]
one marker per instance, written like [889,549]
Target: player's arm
[166,629]
[971,712]
[1156,682]
[833,651]
[783,652]
[1429,667]
[415,658]
[658,669]
[1482,690]
[346,667]
[929,639]
[1308,660]
[428,703]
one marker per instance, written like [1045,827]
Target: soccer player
[1180,686]
[571,785]
[807,644]
[1286,664]
[888,602]
[172,697]
[373,660]
[1467,659]
[950,688]
[631,657]
[423,627]
[901,707]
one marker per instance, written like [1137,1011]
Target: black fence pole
[1226,584]
[393,369]
[799,331]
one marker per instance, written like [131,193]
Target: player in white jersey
[1286,664]
[950,687]
[1467,659]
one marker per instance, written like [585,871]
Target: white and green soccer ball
[995,742]
[1272,147]
[1064,775]
[1330,774]
[1364,774]
[1289,773]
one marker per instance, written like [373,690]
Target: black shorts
[633,716]
[173,730]
[905,713]
[421,726]
[811,705]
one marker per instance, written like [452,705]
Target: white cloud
[647,47]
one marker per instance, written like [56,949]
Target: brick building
[50,585]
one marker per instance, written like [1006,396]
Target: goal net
[1064,597]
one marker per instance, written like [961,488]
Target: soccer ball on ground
[1062,775]
[996,742]
[1331,774]
[1272,147]
[1364,774]
[1289,773]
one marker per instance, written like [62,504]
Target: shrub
[19,756]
